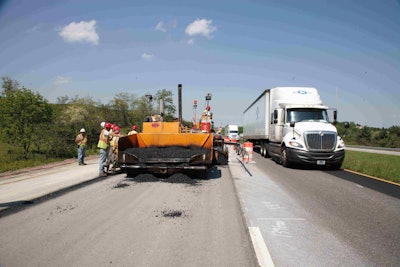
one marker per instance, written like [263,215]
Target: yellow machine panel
[161,127]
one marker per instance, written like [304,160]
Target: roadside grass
[386,167]
[12,158]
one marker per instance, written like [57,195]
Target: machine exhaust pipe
[180,103]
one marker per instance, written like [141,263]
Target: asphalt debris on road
[121,185]
[64,208]
[177,178]
[168,213]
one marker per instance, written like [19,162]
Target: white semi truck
[291,125]
[231,131]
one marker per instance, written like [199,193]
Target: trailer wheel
[284,157]
[262,150]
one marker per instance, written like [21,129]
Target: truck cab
[292,126]
[231,132]
[304,134]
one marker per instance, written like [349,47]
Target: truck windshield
[307,114]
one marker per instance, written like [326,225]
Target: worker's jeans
[103,158]
[81,154]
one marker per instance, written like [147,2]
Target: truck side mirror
[292,123]
[275,116]
[334,116]
[346,126]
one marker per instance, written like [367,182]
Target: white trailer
[291,125]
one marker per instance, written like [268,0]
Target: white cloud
[160,27]
[147,56]
[201,27]
[80,32]
[165,26]
[190,41]
[59,80]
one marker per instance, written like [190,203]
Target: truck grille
[321,140]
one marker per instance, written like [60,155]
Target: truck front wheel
[284,157]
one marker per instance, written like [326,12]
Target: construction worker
[110,147]
[103,144]
[81,141]
[113,156]
[134,130]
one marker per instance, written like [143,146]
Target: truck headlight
[295,144]
[341,144]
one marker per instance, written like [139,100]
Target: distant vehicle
[231,133]
[291,125]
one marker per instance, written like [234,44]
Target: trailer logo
[302,92]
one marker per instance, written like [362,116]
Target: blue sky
[348,50]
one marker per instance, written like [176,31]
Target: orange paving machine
[168,147]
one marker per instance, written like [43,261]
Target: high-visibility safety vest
[81,140]
[114,142]
[103,139]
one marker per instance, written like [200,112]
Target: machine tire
[197,174]
[284,157]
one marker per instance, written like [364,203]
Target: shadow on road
[186,177]
[380,186]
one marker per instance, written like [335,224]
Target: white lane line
[260,248]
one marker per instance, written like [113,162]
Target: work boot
[102,174]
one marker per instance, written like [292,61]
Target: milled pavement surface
[26,185]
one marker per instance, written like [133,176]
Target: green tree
[9,85]
[25,114]
[144,108]
[365,136]
[69,117]
[393,137]
[169,107]
[122,105]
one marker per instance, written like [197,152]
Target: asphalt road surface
[120,221]
[311,217]
[304,217]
